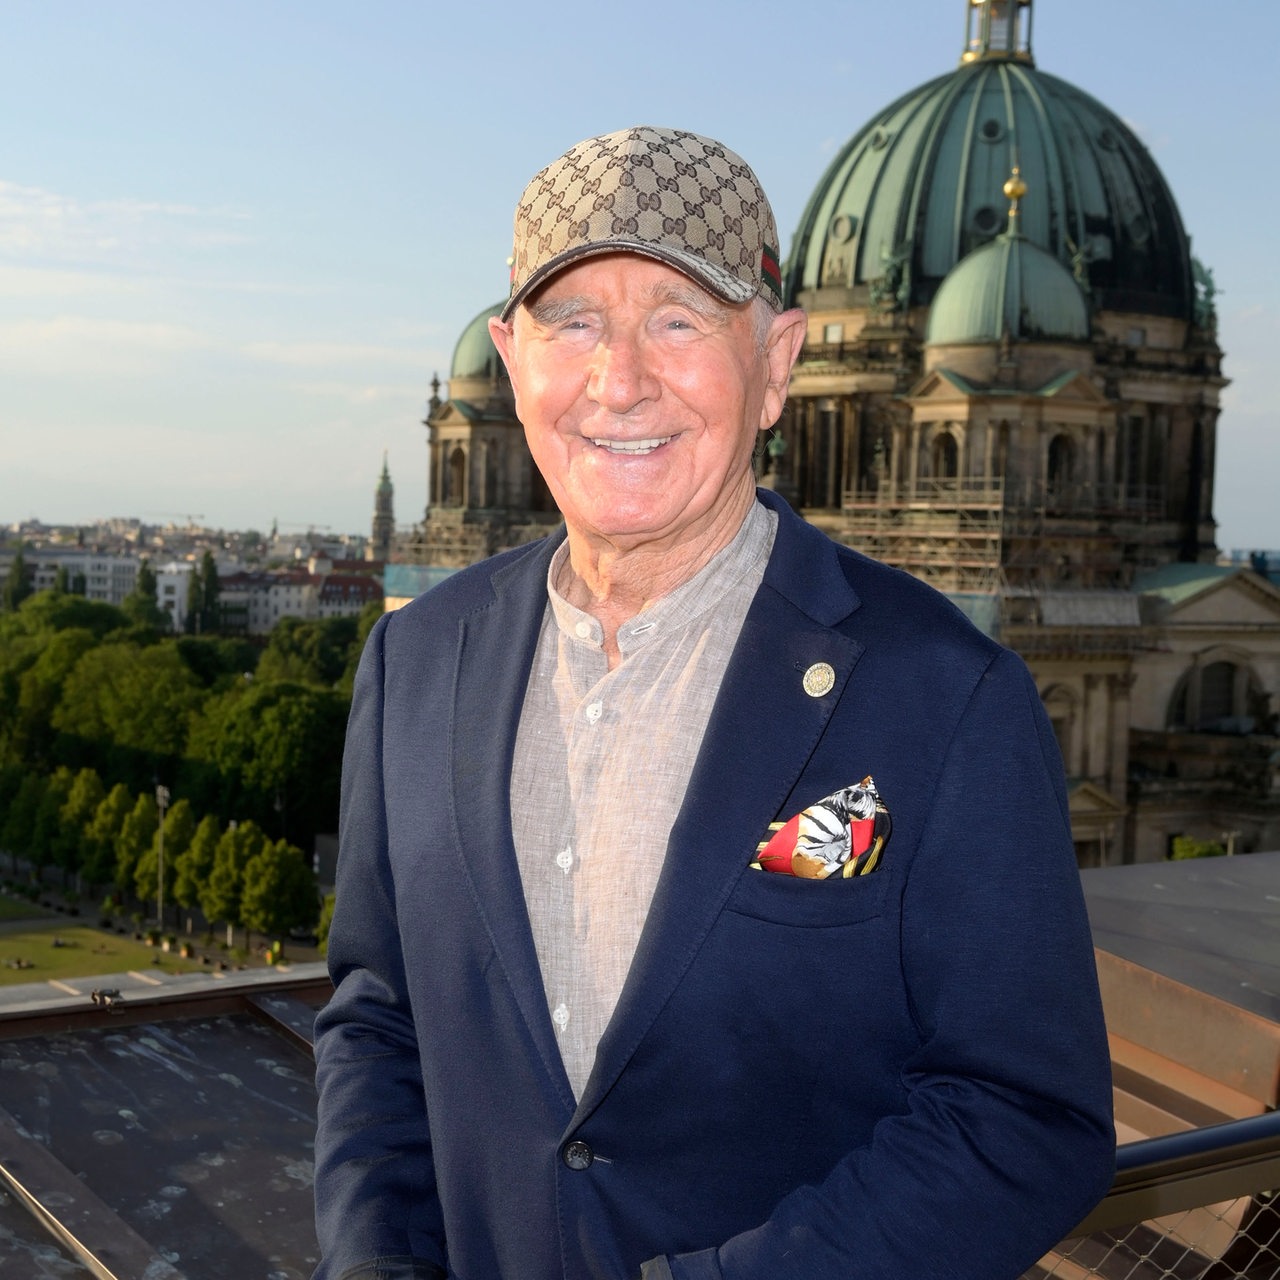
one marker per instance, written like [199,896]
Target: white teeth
[631,446]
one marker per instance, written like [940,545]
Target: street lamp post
[162,803]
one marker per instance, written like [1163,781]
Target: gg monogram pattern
[686,200]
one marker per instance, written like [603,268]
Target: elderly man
[706,903]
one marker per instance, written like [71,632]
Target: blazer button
[577,1155]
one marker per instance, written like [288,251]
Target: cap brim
[716,281]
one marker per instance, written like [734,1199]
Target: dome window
[843,225]
[880,139]
[986,220]
[991,130]
[1107,140]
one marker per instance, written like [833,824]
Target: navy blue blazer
[902,1075]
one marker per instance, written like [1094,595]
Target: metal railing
[1201,1205]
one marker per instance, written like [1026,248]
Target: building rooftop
[1209,923]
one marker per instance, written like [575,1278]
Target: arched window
[945,456]
[1062,457]
[1222,696]
[457,477]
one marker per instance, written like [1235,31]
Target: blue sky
[237,239]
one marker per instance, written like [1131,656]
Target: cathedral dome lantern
[915,190]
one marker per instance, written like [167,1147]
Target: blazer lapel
[496,645]
[762,732]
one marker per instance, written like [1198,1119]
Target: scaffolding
[947,532]
[979,535]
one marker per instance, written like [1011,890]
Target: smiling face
[641,396]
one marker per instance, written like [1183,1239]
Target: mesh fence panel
[1237,1238]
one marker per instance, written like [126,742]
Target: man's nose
[620,376]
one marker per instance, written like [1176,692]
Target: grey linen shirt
[602,763]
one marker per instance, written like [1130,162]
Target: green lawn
[83,952]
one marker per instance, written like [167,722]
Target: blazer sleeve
[1007,1138]
[377,1211]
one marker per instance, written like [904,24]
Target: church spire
[384,518]
[997,29]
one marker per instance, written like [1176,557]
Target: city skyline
[236,244]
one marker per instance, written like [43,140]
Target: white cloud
[325,355]
[353,393]
[54,282]
[40,224]
[76,345]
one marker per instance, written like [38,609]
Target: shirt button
[583,630]
[564,860]
[577,1155]
[594,712]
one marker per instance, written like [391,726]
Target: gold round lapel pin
[820,679]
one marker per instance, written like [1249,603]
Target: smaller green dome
[475,356]
[1008,287]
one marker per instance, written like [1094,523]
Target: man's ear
[781,351]
[503,334]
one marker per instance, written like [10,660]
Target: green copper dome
[1008,288]
[475,356]
[918,188]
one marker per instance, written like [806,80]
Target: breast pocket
[810,904]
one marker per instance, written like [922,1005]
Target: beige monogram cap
[686,200]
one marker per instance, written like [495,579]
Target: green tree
[17,586]
[179,827]
[193,866]
[221,892]
[11,776]
[204,614]
[210,607]
[218,662]
[308,652]
[44,836]
[61,580]
[46,611]
[98,865]
[142,606]
[49,632]
[369,616]
[134,839]
[75,820]
[20,820]
[326,919]
[1185,847]
[279,891]
[195,594]
[130,707]
[34,736]
[275,749]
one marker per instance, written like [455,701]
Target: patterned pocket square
[843,834]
